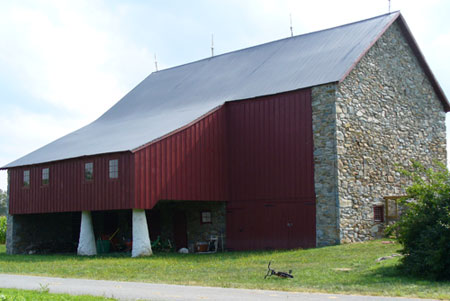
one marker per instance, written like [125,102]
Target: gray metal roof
[169,99]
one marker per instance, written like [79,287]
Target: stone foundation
[43,233]
[196,231]
[60,232]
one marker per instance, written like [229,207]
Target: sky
[64,63]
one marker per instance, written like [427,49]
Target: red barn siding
[67,189]
[256,154]
[187,165]
[272,198]
[271,147]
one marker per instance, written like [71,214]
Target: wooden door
[179,229]
[271,225]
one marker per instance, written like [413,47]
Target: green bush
[424,227]
[2,229]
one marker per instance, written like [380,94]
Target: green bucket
[103,246]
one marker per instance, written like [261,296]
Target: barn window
[26,178]
[89,171]
[206,217]
[378,213]
[113,169]
[45,176]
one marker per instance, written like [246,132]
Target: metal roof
[170,99]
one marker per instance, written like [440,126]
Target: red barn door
[271,225]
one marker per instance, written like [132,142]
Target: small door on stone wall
[179,229]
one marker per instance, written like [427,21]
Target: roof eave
[83,157]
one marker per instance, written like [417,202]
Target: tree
[424,227]
[2,216]
[2,202]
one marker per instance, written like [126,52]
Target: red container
[201,247]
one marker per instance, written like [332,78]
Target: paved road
[150,291]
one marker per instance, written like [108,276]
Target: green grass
[7,294]
[338,269]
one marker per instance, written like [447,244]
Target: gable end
[418,54]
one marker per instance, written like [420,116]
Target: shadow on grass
[394,275]
[393,271]
[25,258]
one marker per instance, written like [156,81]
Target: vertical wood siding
[190,164]
[69,191]
[272,198]
[271,147]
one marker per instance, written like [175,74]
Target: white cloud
[70,56]
[24,131]
[65,57]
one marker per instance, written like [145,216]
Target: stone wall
[325,164]
[196,231]
[43,233]
[387,114]
[383,114]
[202,232]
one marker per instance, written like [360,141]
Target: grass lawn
[338,269]
[7,294]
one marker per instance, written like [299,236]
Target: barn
[288,144]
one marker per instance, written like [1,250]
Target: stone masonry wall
[325,164]
[196,231]
[387,114]
[43,233]
[202,232]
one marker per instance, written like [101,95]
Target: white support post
[86,244]
[141,238]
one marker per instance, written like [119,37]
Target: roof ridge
[275,41]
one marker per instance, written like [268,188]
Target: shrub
[2,229]
[424,227]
